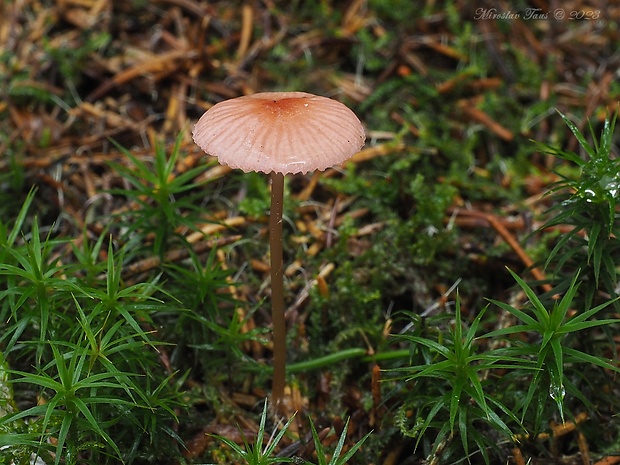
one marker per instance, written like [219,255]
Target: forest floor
[448,194]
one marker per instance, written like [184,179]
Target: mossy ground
[451,95]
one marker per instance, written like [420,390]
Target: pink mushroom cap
[285,132]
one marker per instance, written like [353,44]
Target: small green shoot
[167,200]
[257,453]
[588,204]
[551,354]
[335,459]
[457,364]
[72,408]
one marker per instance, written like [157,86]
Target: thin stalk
[277,289]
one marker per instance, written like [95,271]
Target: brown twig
[511,241]
[150,263]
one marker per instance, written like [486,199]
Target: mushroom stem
[277,288]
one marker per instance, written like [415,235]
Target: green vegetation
[542,351]
[254,454]
[133,286]
[588,204]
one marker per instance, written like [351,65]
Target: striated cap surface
[285,132]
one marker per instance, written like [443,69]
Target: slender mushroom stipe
[279,133]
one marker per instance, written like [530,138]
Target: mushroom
[278,133]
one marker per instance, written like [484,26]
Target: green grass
[104,362]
